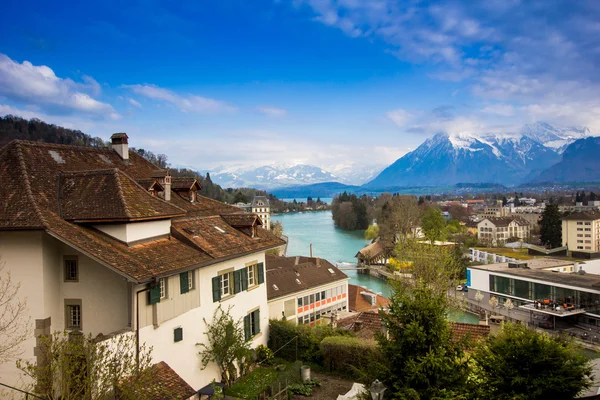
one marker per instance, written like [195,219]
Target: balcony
[553,308]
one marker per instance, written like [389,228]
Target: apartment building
[496,230]
[581,233]
[262,208]
[307,290]
[103,242]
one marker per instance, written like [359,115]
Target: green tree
[519,363]
[433,224]
[422,360]
[227,346]
[240,197]
[551,227]
[372,232]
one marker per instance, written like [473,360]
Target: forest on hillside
[13,127]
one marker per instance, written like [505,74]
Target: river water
[337,246]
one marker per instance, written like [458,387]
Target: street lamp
[377,389]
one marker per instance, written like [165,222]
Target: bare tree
[400,216]
[73,366]
[15,325]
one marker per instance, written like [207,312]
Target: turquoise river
[335,245]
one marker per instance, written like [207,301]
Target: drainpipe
[137,325]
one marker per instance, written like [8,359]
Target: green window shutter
[237,281]
[216,288]
[256,321]
[247,333]
[261,273]
[178,334]
[244,274]
[183,282]
[154,293]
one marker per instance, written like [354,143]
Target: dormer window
[193,196]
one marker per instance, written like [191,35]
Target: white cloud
[185,103]
[505,110]
[134,103]
[39,86]
[400,117]
[272,111]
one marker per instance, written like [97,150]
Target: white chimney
[120,145]
[167,186]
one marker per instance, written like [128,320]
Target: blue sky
[324,82]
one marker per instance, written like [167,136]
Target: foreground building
[307,290]
[543,290]
[103,242]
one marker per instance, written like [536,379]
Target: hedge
[309,338]
[352,357]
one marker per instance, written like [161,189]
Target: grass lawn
[253,384]
[519,254]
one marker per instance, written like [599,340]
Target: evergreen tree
[551,227]
[592,196]
[519,363]
[504,201]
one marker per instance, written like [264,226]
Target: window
[225,285]
[312,299]
[299,301]
[580,241]
[177,334]
[580,229]
[318,296]
[580,247]
[252,324]
[162,283]
[186,281]
[74,321]
[73,314]
[588,223]
[71,269]
[251,275]
[579,223]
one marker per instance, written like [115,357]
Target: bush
[304,389]
[282,332]
[264,355]
[355,358]
[253,384]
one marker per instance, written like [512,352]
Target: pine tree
[551,227]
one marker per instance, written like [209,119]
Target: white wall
[183,356]
[21,254]
[480,280]
[134,231]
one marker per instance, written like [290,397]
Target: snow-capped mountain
[507,158]
[270,176]
[280,175]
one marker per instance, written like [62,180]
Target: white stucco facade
[107,299]
[136,231]
[581,235]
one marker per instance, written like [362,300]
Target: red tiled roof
[32,173]
[312,272]
[472,331]
[358,302]
[170,384]
[183,183]
[364,324]
[109,195]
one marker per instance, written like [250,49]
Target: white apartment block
[581,232]
[495,230]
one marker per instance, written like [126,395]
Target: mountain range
[283,175]
[506,158]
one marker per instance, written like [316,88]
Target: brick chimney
[120,144]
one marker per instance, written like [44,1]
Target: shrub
[352,357]
[264,355]
[282,332]
[305,389]
[253,384]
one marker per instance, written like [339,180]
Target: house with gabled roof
[496,230]
[103,242]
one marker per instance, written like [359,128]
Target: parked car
[459,288]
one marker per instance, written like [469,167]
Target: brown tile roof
[371,251]
[365,324]
[109,195]
[242,219]
[171,385]
[30,171]
[358,302]
[472,331]
[311,272]
[505,221]
[218,239]
[182,183]
[582,216]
